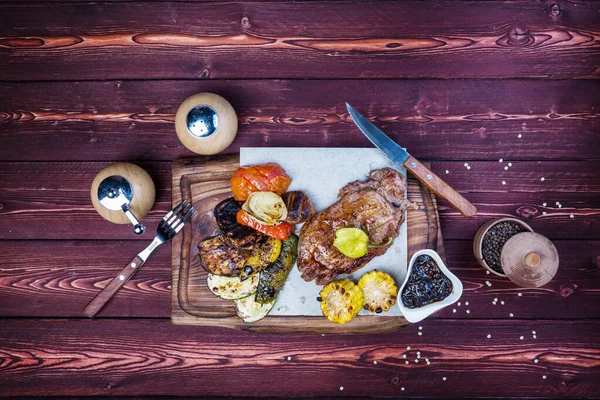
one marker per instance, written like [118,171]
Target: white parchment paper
[321,172]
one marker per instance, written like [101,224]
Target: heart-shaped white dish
[417,314]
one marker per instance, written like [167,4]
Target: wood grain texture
[112,288]
[123,358]
[58,279]
[435,120]
[568,295]
[39,195]
[531,191]
[205,184]
[409,39]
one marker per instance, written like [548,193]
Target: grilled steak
[376,206]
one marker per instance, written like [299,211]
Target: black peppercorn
[494,240]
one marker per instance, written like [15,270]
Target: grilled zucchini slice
[341,300]
[262,254]
[273,277]
[231,287]
[379,291]
[249,310]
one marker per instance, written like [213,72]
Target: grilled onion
[266,208]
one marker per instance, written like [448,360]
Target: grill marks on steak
[376,206]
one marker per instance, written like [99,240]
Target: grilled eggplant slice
[273,277]
[219,258]
[299,207]
[264,252]
[239,236]
[231,287]
[251,311]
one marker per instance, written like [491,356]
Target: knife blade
[399,155]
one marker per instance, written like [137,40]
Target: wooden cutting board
[205,182]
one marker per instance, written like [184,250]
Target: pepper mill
[206,123]
[123,193]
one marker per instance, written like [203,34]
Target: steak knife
[399,155]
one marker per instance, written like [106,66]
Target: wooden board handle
[441,188]
[111,289]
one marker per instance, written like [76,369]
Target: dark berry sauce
[426,284]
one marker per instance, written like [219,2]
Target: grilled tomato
[259,178]
[281,231]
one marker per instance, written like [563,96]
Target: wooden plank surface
[58,279]
[97,121]
[52,278]
[39,195]
[83,84]
[411,39]
[125,357]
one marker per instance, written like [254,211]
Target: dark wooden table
[85,84]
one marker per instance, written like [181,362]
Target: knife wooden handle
[439,187]
[109,291]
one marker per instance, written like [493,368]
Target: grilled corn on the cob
[341,300]
[379,291]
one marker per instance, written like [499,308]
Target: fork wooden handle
[109,291]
